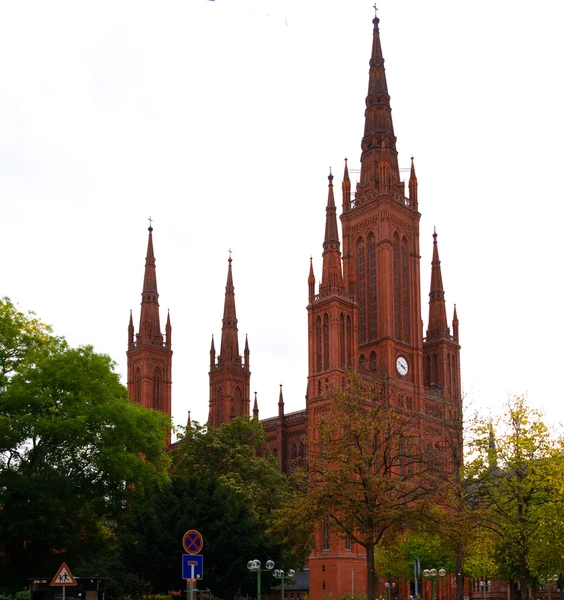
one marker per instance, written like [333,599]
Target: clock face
[402,366]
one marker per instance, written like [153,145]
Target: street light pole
[548,580]
[279,574]
[484,584]
[254,565]
[432,574]
[389,587]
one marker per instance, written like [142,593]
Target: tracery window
[342,340]
[157,390]
[349,342]
[361,293]
[405,290]
[326,342]
[319,340]
[137,386]
[397,290]
[325,540]
[372,286]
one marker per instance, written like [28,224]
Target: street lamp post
[548,580]
[389,585]
[432,574]
[279,574]
[484,584]
[254,565]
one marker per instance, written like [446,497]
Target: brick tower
[149,354]
[367,314]
[230,376]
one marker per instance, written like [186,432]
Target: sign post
[63,578]
[192,562]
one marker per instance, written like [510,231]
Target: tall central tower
[381,242]
[366,315]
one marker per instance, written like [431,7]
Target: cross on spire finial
[150,224]
[375,10]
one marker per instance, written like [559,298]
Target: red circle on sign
[193,541]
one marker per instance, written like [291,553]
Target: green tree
[23,337]
[222,487]
[372,472]
[516,477]
[74,452]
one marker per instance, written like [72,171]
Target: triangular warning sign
[63,576]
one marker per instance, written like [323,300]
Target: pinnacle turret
[332,275]
[437,327]
[346,188]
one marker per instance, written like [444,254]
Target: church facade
[364,313]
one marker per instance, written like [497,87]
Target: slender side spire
[189,423]
[247,353]
[346,187]
[131,331]
[413,187]
[311,281]
[437,327]
[255,408]
[281,405]
[229,352]
[332,275]
[149,322]
[212,355]
[168,330]
[455,326]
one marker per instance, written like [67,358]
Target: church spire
[255,409]
[437,327]
[229,351]
[280,404]
[311,281]
[379,172]
[332,276]
[346,188]
[413,186]
[149,322]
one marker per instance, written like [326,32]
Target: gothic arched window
[137,386]
[404,288]
[427,370]
[361,292]
[342,340]
[373,361]
[435,372]
[157,390]
[349,342]
[326,342]
[319,343]
[397,286]
[372,287]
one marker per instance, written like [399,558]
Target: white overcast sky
[220,120]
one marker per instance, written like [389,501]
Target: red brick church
[365,313]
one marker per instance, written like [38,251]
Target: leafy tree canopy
[73,449]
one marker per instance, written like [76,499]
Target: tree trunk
[370,573]
[459,572]
[524,593]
